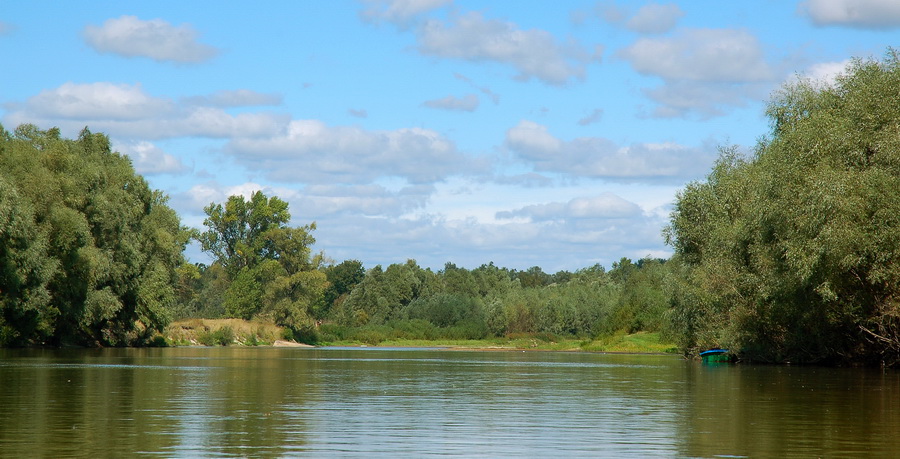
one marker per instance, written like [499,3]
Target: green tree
[236,234]
[342,278]
[792,254]
[88,252]
[271,269]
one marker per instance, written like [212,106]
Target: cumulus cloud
[467,103]
[316,201]
[399,12]
[601,158]
[682,98]
[516,243]
[861,14]
[369,200]
[604,206]
[201,195]
[148,159]
[311,151]
[822,72]
[655,18]
[703,70]
[156,39]
[701,55]
[533,53]
[98,101]
[126,111]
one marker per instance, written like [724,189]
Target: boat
[716,355]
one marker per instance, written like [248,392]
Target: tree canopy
[88,251]
[793,254]
[271,270]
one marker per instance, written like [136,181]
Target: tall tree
[88,252]
[794,254]
[271,269]
[235,234]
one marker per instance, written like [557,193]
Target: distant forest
[788,253]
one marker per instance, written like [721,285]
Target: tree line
[789,253]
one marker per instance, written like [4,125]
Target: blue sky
[524,133]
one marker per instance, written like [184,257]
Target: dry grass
[231,331]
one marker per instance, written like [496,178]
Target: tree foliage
[88,252]
[459,303]
[269,266]
[792,254]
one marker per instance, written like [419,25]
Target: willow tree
[88,251]
[794,253]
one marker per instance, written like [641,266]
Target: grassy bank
[638,343]
[227,332]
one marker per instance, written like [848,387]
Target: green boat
[716,356]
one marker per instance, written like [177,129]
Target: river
[333,402]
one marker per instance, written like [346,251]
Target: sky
[523,133]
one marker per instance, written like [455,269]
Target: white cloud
[129,36]
[433,240]
[721,55]
[126,111]
[148,159]
[399,12]
[467,103]
[863,14]
[369,200]
[704,71]
[681,98]
[655,18]
[201,195]
[311,151]
[604,206]
[533,141]
[827,72]
[107,101]
[601,158]
[534,53]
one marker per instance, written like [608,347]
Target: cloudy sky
[522,133]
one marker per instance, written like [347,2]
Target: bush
[221,337]
[307,335]
[157,341]
[372,334]
[467,329]
[333,332]
[414,329]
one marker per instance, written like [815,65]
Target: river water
[290,402]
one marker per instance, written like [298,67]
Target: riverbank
[237,332]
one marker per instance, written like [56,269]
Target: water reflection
[772,411]
[238,402]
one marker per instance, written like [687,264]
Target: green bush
[414,329]
[334,332]
[372,334]
[221,337]
[157,341]
[467,329]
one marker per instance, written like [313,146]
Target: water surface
[288,402]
